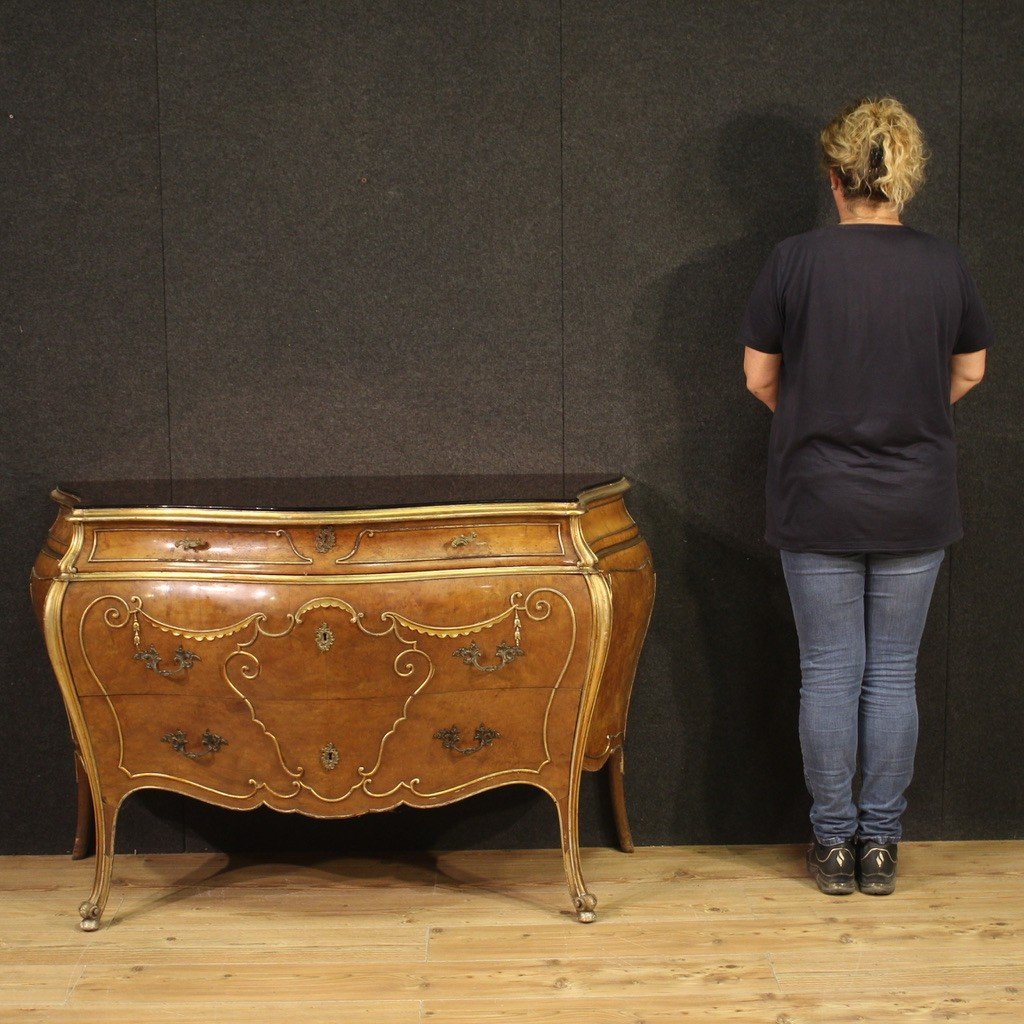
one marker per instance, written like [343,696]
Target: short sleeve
[976,330]
[763,322]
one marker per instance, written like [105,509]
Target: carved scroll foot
[90,913]
[585,905]
[583,902]
[91,910]
[616,768]
[83,828]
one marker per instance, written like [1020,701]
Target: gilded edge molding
[254,516]
[105,818]
[588,559]
[114,618]
[586,499]
[601,620]
[66,566]
[219,575]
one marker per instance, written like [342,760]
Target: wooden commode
[336,661]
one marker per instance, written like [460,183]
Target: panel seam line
[561,229]
[163,284]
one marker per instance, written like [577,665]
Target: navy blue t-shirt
[862,452]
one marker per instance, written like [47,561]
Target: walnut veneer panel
[340,662]
[348,547]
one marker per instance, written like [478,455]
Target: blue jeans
[859,620]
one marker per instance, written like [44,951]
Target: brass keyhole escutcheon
[325,539]
[330,757]
[324,636]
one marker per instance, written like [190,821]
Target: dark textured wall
[984,778]
[343,238]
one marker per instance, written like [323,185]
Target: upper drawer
[338,548]
[192,544]
[379,546]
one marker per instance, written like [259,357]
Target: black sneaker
[876,867]
[832,867]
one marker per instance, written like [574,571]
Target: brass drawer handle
[210,740]
[450,739]
[151,657]
[462,540]
[192,544]
[506,652]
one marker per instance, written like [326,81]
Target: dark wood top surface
[331,493]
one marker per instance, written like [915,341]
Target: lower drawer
[336,751]
[450,741]
[216,746]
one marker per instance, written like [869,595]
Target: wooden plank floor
[734,933]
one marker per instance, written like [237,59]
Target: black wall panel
[362,226]
[83,352]
[689,151]
[345,239]
[362,242]
[985,710]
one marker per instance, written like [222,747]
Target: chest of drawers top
[293,540]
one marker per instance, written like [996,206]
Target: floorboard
[735,933]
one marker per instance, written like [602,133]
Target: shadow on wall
[723,617]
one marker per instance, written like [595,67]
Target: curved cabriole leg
[568,817]
[92,909]
[616,768]
[83,829]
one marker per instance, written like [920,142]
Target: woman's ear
[833,179]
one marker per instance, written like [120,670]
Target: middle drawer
[388,638]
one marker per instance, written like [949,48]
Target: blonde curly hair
[877,150]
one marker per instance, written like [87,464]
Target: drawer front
[334,699]
[453,741]
[334,757]
[340,698]
[413,544]
[214,745]
[190,545]
[388,639]
[328,549]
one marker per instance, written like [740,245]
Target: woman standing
[859,337]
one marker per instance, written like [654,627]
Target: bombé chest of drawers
[336,661]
